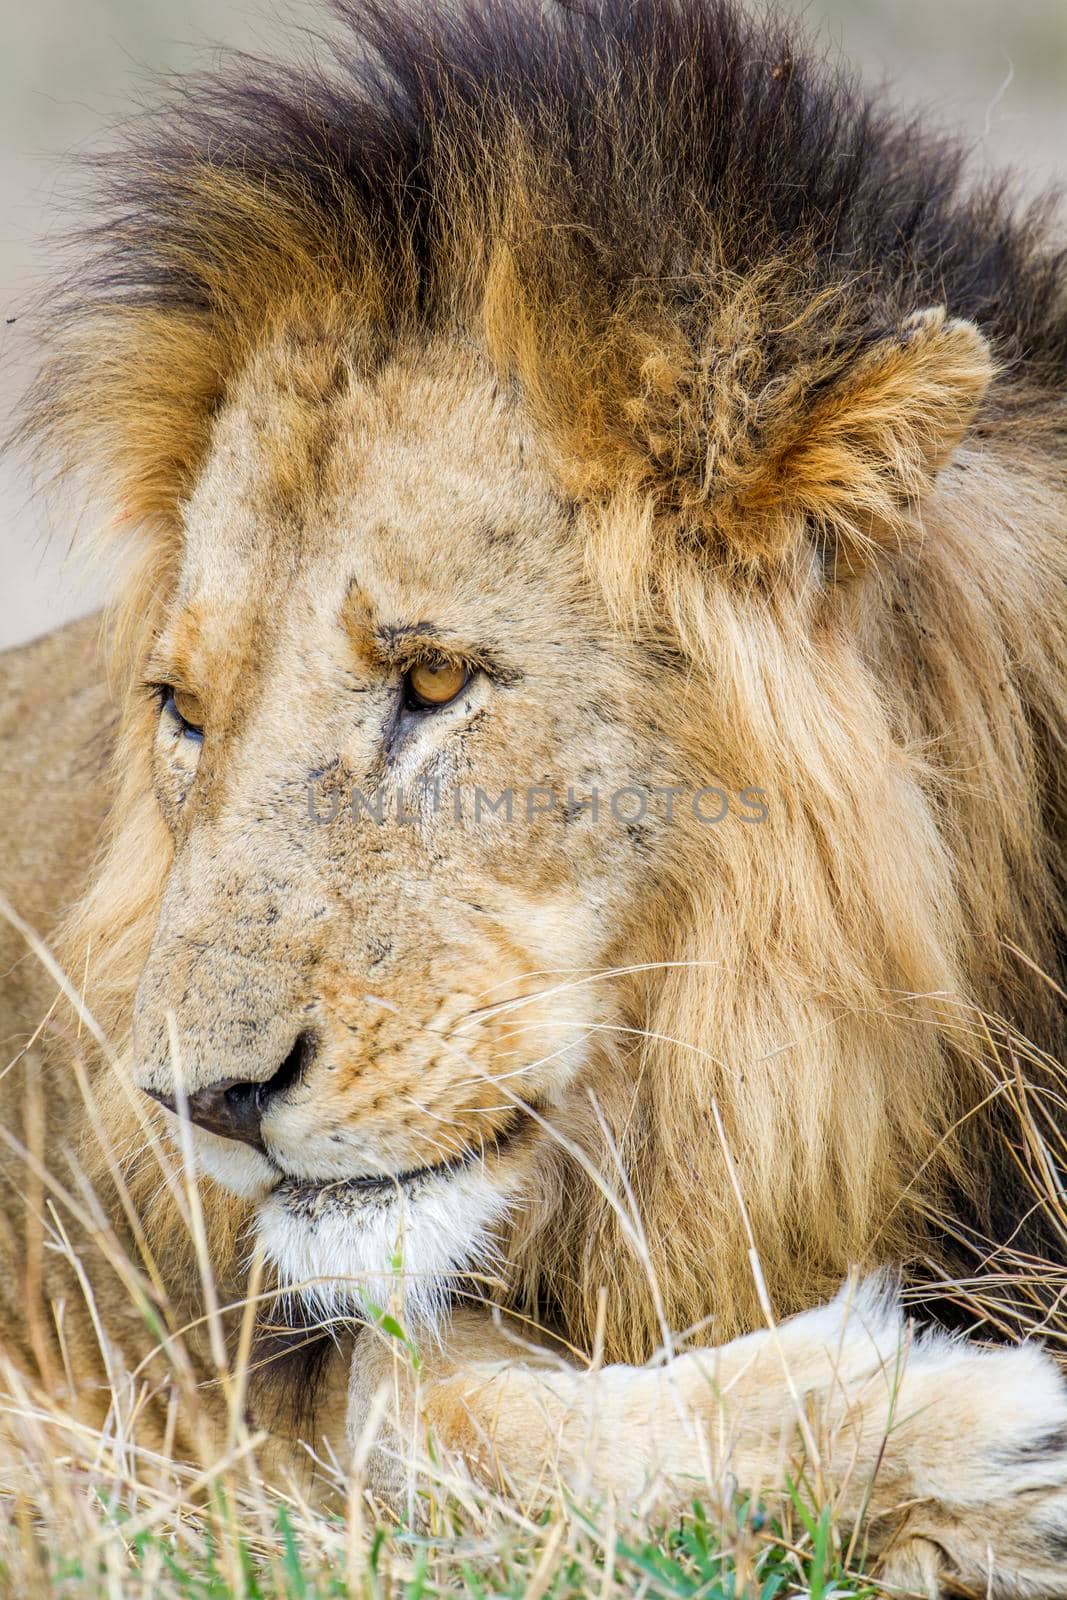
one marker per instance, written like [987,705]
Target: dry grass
[79,1518]
[91,1511]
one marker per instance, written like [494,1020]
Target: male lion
[606,408]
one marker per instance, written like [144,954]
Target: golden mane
[719,338]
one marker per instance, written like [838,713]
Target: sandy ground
[998,71]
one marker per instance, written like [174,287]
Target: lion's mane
[685,242]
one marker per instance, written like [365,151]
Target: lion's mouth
[417,1233]
[411,1179]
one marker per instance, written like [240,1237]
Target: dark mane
[664,131]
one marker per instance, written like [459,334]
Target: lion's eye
[435,683]
[186,709]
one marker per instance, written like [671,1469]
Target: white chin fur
[337,1244]
[236,1167]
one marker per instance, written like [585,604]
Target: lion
[569,793]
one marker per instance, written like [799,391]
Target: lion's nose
[230,1108]
[234,1107]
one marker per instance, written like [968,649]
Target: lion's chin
[347,1248]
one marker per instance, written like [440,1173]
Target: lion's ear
[855,459]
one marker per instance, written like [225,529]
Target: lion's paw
[979,1439]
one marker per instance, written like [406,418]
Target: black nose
[233,1108]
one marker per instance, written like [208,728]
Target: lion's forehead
[435,449]
[420,488]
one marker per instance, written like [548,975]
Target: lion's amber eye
[435,683]
[188,709]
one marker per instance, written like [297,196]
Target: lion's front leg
[955,1455]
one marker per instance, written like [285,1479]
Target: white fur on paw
[984,1436]
[973,1476]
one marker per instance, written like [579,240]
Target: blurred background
[995,70]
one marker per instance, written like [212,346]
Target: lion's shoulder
[56,719]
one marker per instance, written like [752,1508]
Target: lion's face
[380,591]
